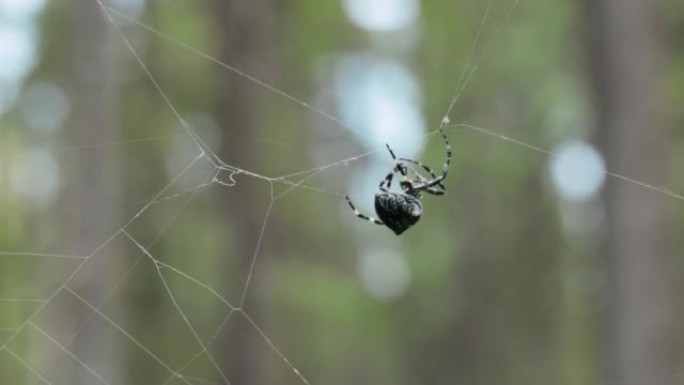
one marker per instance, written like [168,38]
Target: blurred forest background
[135,252]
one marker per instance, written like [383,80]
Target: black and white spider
[401,210]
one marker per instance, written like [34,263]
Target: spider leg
[435,191]
[358,214]
[426,168]
[439,189]
[402,169]
[399,167]
[390,151]
[387,182]
[436,181]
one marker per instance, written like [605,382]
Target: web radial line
[130,269]
[45,255]
[192,329]
[503,137]
[152,201]
[21,300]
[118,143]
[26,365]
[300,183]
[97,249]
[645,185]
[35,312]
[327,166]
[195,137]
[209,343]
[459,90]
[307,187]
[177,306]
[285,178]
[462,82]
[186,191]
[202,380]
[199,283]
[128,335]
[315,171]
[67,351]
[275,348]
[230,67]
[552,154]
[234,172]
[192,191]
[257,249]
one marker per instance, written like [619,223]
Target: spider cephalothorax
[401,210]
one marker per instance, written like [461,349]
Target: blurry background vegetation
[123,261]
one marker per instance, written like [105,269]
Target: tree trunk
[93,198]
[247,38]
[625,61]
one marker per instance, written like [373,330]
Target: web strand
[43,255]
[96,146]
[517,142]
[209,343]
[191,132]
[231,68]
[69,353]
[257,249]
[275,348]
[463,81]
[26,365]
[126,274]
[170,294]
[128,335]
[466,77]
[62,287]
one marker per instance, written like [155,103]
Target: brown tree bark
[625,61]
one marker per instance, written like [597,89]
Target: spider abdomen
[397,211]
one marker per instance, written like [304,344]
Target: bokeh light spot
[384,274]
[35,177]
[578,170]
[382,15]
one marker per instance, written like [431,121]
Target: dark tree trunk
[93,198]
[247,36]
[625,60]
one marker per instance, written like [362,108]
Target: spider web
[188,291]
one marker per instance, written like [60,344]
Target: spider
[401,210]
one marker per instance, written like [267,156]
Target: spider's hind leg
[437,189]
[358,214]
[427,169]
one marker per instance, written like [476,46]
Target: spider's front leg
[399,167]
[438,189]
[440,185]
[386,183]
[358,214]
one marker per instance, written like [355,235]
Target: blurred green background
[172,181]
